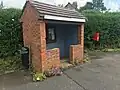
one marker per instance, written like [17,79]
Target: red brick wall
[76,53]
[81,34]
[29,19]
[31,34]
[43,45]
[34,36]
[53,58]
[35,47]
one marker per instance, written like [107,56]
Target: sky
[114,5]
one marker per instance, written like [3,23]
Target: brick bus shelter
[52,33]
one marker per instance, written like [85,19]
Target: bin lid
[24,48]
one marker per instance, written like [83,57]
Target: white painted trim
[63,18]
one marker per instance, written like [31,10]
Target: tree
[1,5]
[10,29]
[107,25]
[98,5]
[88,6]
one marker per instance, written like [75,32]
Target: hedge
[10,32]
[107,24]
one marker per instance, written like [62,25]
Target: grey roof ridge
[53,6]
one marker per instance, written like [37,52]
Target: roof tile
[47,9]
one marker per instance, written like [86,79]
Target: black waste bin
[25,57]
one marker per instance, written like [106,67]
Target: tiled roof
[47,9]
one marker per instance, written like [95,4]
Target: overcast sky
[113,4]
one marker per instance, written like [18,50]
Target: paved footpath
[103,73]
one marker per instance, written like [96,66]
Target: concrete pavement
[103,73]
[25,83]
